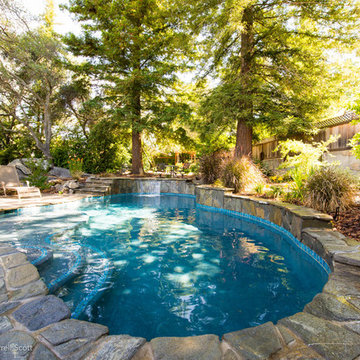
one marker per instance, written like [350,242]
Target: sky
[63,21]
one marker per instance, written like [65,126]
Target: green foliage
[136,48]
[38,176]
[298,186]
[264,167]
[76,99]
[355,144]
[355,141]
[270,58]
[329,188]
[275,192]
[301,159]
[241,174]
[259,189]
[108,146]
[76,167]
[31,73]
[280,178]
[105,149]
[195,168]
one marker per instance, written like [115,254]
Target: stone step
[37,255]
[100,181]
[91,191]
[96,186]
[104,190]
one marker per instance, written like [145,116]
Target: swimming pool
[158,265]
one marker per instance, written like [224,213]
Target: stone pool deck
[35,325]
[8,203]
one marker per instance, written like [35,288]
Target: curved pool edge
[329,326]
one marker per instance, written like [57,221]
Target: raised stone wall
[152,186]
[34,325]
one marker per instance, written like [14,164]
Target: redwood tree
[134,48]
[271,58]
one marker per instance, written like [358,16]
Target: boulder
[60,172]
[59,187]
[45,164]
[8,305]
[67,187]
[330,307]
[22,166]
[23,171]
[71,329]
[36,288]
[43,353]
[72,184]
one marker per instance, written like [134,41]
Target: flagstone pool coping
[36,325]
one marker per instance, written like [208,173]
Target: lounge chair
[9,180]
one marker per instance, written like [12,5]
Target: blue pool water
[151,265]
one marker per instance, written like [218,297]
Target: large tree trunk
[244,127]
[243,139]
[47,127]
[137,167]
[137,164]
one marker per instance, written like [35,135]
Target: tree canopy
[135,48]
[271,58]
[30,76]
[114,94]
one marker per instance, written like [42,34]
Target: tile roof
[338,120]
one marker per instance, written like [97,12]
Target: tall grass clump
[211,165]
[328,188]
[76,167]
[241,174]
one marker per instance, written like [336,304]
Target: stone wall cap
[301,211]
[212,187]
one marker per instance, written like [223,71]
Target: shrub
[301,159]
[355,144]
[328,188]
[259,189]
[241,174]
[211,166]
[275,192]
[76,167]
[38,176]
[264,167]
[106,148]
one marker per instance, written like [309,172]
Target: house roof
[346,118]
